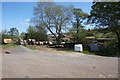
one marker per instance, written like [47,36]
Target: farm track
[26,63]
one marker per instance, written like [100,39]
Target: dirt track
[27,63]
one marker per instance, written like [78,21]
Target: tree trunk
[58,39]
[118,37]
[77,29]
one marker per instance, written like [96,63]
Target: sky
[18,14]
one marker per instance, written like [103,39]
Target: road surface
[27,63]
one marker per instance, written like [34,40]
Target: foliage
[37,32]
[5,34]
[79,16]
[41,33]
[106,15]
[83,33]
[108,49]
[22,35]
[13,33]
[104,35]
[53,17]
[31,32]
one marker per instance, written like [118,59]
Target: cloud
[26,22]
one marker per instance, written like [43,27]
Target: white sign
[78,47]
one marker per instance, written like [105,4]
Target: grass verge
[5,46]
[106,52]
[31,47]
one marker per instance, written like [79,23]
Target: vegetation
[6,46]
[53,17]
[13,33]
[79,16]
[22,35]
[106,16]
[38,33]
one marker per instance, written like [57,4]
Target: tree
[22,35]
[31,32]
[53,17]
[41,34]
[5,34]
[106,16]
[79,16]
[37,32]
[14,33]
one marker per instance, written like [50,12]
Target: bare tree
[53,17]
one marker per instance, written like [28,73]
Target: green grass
[87,52]
[64,49]
[8,45]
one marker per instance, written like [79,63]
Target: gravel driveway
[27,63]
